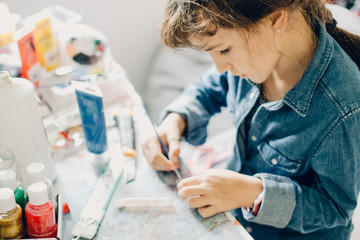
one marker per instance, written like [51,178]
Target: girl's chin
[242,75]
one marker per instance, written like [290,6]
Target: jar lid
[8,179]
[35,172]
[37,193]
[7,200]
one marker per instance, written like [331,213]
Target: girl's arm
[330,199]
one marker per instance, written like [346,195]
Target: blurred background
[132,27]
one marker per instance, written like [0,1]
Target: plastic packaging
[40,214]
[21,126]
[11,221]
[31,68]
[45,45]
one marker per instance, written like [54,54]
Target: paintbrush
[164,148]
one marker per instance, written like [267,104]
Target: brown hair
[204,17]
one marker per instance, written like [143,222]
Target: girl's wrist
[179,119]
[256,188]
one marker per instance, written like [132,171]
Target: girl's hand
[216,190]
[170,131]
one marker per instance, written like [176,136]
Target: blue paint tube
[89,98]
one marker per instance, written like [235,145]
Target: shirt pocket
[276,162]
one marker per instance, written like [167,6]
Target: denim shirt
[305,148]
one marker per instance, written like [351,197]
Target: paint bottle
[89,98]
[11,221]
[36,173]
[8,180]
[40,214]
[21,126]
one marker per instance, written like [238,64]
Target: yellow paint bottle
[11,221]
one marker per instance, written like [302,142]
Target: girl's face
[252,55]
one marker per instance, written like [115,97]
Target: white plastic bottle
[36,174]
[21,126]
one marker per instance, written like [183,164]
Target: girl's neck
[298,44]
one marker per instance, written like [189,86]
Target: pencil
[164,148]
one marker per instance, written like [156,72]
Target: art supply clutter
[9,180]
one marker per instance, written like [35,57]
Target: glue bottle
[21,126]
[40,214]
[11,221]
[8,180]
[36,173]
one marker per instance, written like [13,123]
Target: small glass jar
[7,159]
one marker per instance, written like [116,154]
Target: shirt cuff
[278,204]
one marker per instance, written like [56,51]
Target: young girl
[291,80]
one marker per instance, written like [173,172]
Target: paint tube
[89,98]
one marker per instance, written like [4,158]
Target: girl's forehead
[201,41]
[222,36]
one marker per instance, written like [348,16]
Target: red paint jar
[40,214]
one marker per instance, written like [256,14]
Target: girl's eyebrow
[212,47]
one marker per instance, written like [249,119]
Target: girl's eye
[224,52]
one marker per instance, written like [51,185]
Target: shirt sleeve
[330,199]
[198,102]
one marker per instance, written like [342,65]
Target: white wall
[132,27]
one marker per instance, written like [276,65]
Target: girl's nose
[221,64]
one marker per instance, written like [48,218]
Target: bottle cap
[37,193]
[5,77]
[8,179]
[35,172]
[7,200]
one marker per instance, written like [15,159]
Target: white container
[21,128]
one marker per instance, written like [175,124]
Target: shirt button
[274,161]
[252,95]
[253,138]
[249,229]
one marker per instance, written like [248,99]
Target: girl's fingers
[157,160]
[199,201]
[191,191]
[174,149]
[188,182]
[161,163]
[208,211]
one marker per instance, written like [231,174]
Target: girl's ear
[278,20]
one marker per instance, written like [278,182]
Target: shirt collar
[300,96]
